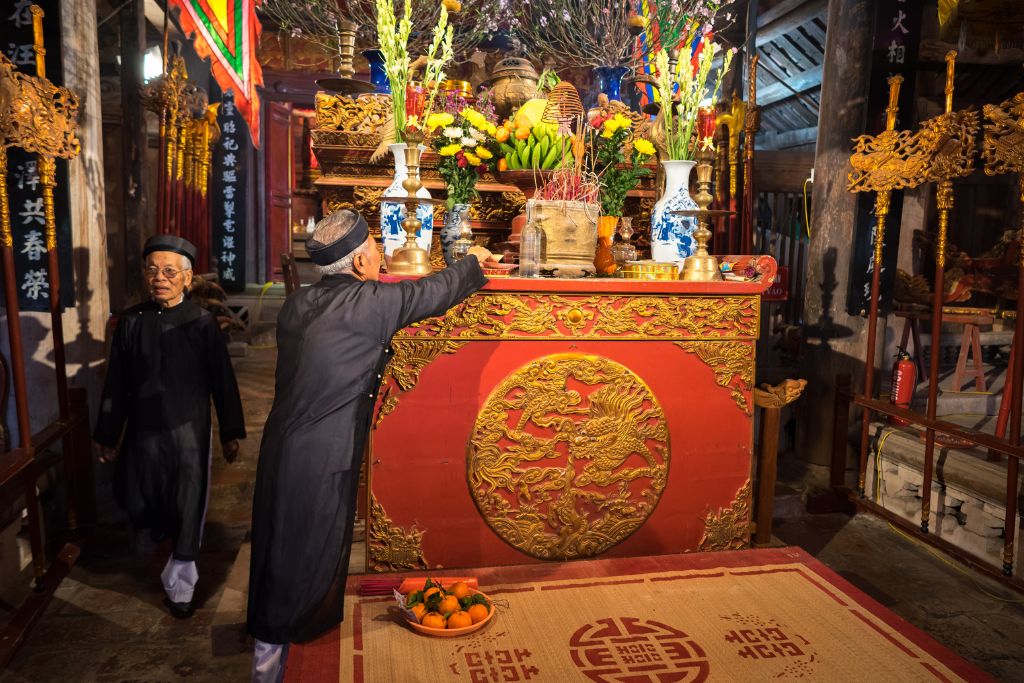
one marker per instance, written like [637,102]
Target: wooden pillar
[834,342]
[133,146]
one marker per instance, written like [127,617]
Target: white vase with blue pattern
[671,235]
[393,213]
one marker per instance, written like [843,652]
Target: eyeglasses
[168,272]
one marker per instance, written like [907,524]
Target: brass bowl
[648,270]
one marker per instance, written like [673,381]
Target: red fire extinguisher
[904,380]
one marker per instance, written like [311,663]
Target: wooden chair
[291,273]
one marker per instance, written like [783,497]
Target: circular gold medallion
[568,456]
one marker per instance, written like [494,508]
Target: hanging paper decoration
[227,31]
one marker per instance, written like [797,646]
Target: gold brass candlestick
[702,266]
[411,259]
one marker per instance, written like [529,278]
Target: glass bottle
[531,245]
[625,250]
[462,245]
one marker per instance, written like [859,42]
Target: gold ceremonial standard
[702,266]
[411,259]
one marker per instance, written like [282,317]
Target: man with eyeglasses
[333,340]
[168,357]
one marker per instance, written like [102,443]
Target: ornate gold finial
[37,40]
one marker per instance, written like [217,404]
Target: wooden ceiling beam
[801,83]
[786,16]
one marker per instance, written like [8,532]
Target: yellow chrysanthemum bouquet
[462,140]
[618,159]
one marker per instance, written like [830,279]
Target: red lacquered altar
[551,420]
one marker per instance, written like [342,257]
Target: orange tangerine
[430,591]
[449,603]
[460,619]
[478,613]
[459,589]
[419,609]
[433,620]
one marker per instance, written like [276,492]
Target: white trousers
[179,579]
[268,662]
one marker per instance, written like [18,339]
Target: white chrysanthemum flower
[468,142]
[453,132]
[477,135]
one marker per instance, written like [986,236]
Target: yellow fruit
[459,589]
[419,609]
[522,133]
[449,603]
[433,620]
[478,613]
[460,619]
[532,110]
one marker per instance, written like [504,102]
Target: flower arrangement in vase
[682,88]
[461,140]
[411,106]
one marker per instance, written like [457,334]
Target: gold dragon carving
[390,547]
[568,456]
[36,115]
[523,316]
[729,529]
[1004,137]
[351,122]
[733,365]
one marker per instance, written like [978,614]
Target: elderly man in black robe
[168,357]
[333,342]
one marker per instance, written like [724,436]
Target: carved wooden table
[557,420]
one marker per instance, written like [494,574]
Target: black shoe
[180,610]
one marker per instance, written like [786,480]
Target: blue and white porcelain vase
[393,213]
[450,231]
[671,235]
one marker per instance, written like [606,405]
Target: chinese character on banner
[27,212]
[897,23]
[897,53]
[229,196]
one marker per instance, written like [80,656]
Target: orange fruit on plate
[433,620]
[477,613]
[459,589]
[430,591]
[449,603]
[419,609]
[460,619]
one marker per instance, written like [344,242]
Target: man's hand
[105,454]
[482,255]
[230,450]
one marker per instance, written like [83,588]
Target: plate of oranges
[446,612]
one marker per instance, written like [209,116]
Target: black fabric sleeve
[435,294]
[113,411]
[223,386]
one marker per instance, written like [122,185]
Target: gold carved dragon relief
[733,365]
[1004,137]
[391,547]
[729,529]
[524,316]
[351,122]
[37,116]
[568,456]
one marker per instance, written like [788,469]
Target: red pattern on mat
[318,661]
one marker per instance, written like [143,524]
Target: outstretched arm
[433,295]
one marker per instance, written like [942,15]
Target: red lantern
[706,124]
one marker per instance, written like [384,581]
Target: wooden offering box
[551,420]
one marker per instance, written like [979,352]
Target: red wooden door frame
[277,167]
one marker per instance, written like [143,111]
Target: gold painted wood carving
[568,457]
[403,370]
[730,528]
[549,316]
[391,547]
[351,122]
[1004,137]
[36,115]
[732,363]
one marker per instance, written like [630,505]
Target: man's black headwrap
[326,254]
[172,243]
